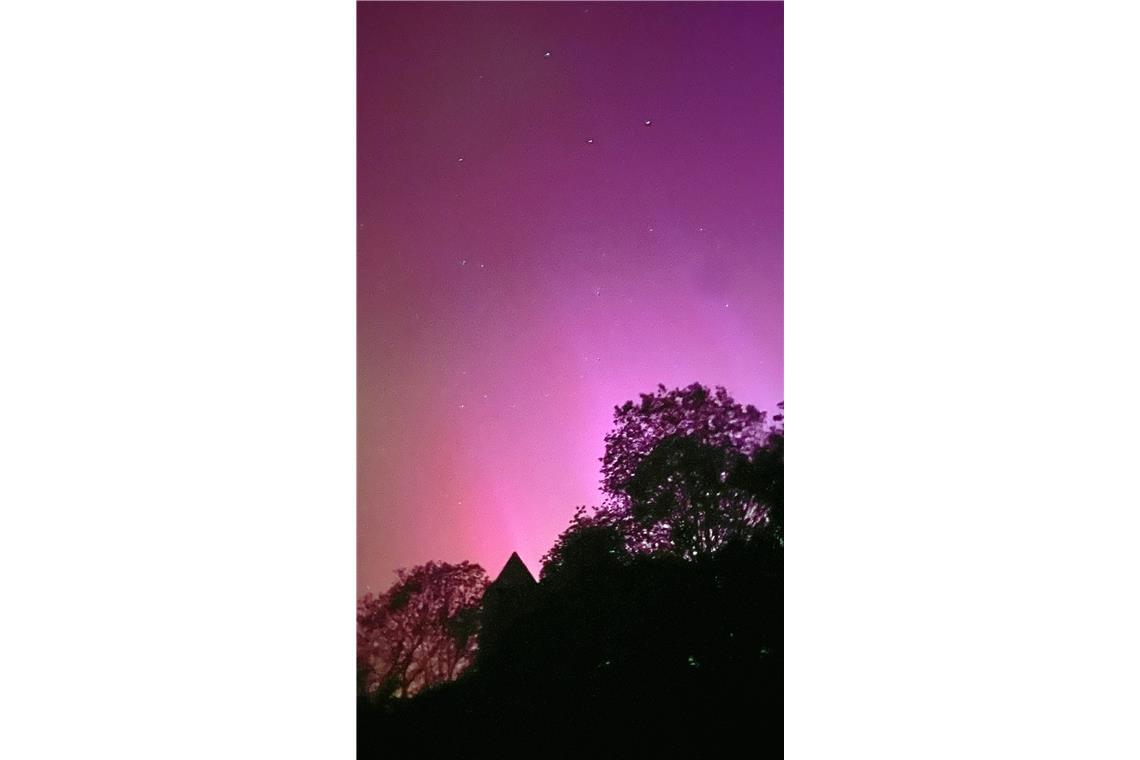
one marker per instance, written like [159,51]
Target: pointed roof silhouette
[515,573]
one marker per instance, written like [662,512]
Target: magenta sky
[531,253]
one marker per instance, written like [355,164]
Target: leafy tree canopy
[421,631]
[591,544]
[687,470]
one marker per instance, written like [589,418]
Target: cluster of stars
[597,290]
[589,141]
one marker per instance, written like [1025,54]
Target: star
[589,141]
[648,123]
[546,54]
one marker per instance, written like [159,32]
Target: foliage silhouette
[659,657]
[762,475]
[678,471]
[657,627]
[591,546]
[420,632]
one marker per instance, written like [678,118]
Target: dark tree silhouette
[678,471]
[420,632]
[684,484]
[656,657]
[656,629]
[591,545]
[763,475]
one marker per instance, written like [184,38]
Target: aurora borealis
[560,205]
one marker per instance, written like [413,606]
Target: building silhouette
[510,596]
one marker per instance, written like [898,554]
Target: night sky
[560,206]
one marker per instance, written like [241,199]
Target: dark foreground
[656,658]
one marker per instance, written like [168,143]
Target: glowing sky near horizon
[532,253]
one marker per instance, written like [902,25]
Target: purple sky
[531,253]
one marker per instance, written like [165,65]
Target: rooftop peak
[515,573]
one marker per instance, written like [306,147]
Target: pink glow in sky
[531,253]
